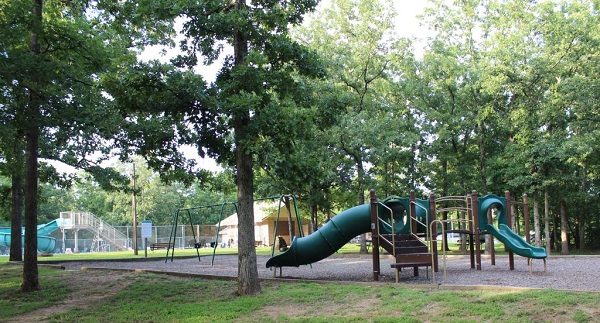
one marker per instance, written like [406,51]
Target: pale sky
[407,25]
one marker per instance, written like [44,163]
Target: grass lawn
[119,296]
[111,296]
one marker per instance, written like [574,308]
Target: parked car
[453,237]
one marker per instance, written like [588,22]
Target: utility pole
[134,214]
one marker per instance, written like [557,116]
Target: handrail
[417,219]
[453,208]
[452,198]
[431,239]
[443,233]
[387,224]
[86,220]
[458,221]
[380,220]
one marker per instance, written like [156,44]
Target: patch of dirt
[333,308]
[86,289]
[276,312]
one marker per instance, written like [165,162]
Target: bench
[258,243]
[161,245]
[368,244]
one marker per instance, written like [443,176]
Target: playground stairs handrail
[387,244]
[90,222]
[414,217]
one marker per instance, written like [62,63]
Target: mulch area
[563,272]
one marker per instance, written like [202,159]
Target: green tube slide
[488,202]
[327,240]
[516,243]
[341,229]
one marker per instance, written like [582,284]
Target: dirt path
[86,289]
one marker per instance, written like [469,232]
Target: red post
[475,204]
[471,228]
[375,236]
[413,213]
[433,234]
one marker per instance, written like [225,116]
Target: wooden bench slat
[161,245]
[411,264]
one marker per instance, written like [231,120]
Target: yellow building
[265,220]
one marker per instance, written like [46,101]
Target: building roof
[262,212]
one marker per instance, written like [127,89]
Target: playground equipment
[513,242]
[406,228]
[342,228]
[325,241]
[265,224]
[477,221]
[197,242]
[45,243]
[281,242]
[395,224]
[105,235]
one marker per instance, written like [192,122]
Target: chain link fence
[184,236]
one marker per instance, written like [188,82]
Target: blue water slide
[45,243]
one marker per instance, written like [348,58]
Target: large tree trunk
[16,223]
[30,269]
[547,237]
[536,219]
[583,213]
[564,238]
[482,157]
[361,200]
[581,231]
[248,282]
[313,217]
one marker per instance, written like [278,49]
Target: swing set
[193,215]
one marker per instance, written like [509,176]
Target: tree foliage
[502,96]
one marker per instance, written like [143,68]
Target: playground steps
[87,221]
[408,250]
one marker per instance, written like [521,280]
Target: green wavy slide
[327,240]
[516,243]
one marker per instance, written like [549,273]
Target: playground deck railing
[86,220]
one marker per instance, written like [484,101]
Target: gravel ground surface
[563,273]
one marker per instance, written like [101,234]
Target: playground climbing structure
[106,237]
[407,229]
[399,226]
